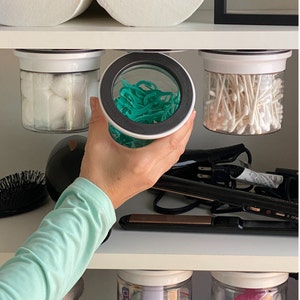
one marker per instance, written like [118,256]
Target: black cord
[176,210]
[221,208]
[216,207]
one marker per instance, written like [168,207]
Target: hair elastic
[142,110]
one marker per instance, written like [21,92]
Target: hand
[123,172]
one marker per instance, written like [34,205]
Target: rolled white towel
[41,12]
[150,13]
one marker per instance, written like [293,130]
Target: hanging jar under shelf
[244,90]
[145,96]
[56,86]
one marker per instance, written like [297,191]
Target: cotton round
[27,84]
[150,13]
[62,85]
[27,112]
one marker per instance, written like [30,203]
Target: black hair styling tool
[287,190]
[22,192]
[255,203]
[206,224]
[192,162]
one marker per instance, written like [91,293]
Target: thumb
[97,114]
[98,123]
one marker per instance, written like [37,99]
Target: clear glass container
[56,87]
[244,91]
[248,286]
[154,285]
[145,96]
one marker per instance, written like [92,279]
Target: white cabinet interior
[21,149]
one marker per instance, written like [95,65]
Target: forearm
[55,256]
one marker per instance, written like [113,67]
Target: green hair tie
[143,103]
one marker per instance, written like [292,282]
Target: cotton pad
[150,13]
[56,86]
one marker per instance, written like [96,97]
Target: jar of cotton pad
[56,86]
[244,90]
[145,96]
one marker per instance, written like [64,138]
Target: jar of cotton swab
[244,91]
[56,86]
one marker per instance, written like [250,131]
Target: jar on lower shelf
[248,286]
[56,86]
[154,285]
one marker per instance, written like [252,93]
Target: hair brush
[22,192]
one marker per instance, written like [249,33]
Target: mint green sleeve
[56,255]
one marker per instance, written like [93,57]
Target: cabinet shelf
[163,250]
[192,251]
[96,30]
[158,250]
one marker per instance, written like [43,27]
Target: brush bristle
[21,192]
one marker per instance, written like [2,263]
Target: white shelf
[158,250]
[192,251]
[163,250]
[96,30]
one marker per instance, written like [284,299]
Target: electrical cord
[176,210]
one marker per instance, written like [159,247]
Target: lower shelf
[163,250]
[192,251]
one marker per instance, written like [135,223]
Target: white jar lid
[251,280]
[59,61]
[154,278]
[245,61]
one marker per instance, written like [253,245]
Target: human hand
[123,172]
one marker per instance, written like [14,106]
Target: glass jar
[56,86]
[145,96]
[154,285]
[249,286]
[244,91]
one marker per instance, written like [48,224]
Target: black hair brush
[22,192]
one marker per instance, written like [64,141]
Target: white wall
[269,151]
[21,149]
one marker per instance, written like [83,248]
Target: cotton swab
[244,104]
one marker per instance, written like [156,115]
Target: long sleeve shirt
[56,255]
